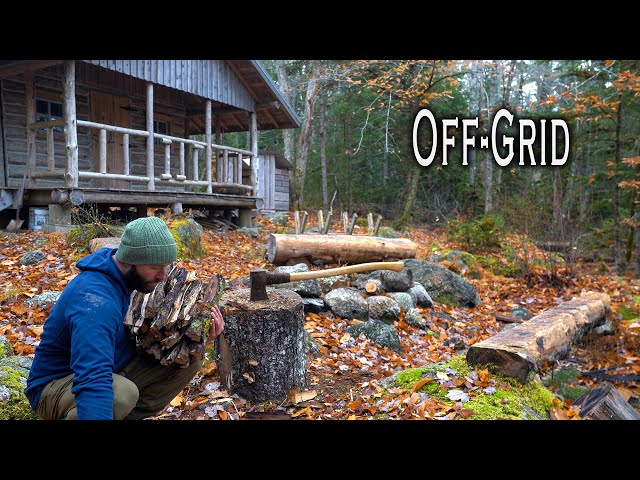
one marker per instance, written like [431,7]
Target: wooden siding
[168,106]
[15,131]
[211,79]
[273,183]
[281,195]
[3,178]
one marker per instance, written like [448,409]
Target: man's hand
[217,323]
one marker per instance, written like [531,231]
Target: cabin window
[47,110]
[160,126]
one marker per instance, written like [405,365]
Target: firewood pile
[172,323]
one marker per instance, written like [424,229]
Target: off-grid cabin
[137,134]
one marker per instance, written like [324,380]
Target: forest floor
[344,377]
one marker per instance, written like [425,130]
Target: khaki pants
[142,389]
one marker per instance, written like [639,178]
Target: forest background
[354,150]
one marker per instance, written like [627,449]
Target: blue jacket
[84,334]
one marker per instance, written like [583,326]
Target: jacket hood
[101,261]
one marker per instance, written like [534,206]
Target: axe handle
[362,267]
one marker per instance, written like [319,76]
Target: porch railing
[228,171]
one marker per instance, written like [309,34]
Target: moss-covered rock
[188,236]
[499,397]
[13,379]
[5,347]
[378,332]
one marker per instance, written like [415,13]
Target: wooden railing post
[218,142]
[225,165]
[167,159]
[103,150]
[181,175]
[196,149]
[125,153]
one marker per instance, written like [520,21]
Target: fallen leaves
[346,377]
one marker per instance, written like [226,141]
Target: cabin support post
[253,135]
[151,184]
[218,142]
[207,136]
[70,125]
[59,219]
[29,94]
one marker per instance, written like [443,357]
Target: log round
[261,352]
[338,248]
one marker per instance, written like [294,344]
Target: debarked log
[338,248]
[261,352]
[523,349]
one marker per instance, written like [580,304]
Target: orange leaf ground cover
[346,376]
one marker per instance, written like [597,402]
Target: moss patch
[80,236]
[499,397]
[501,267]
[564,383]
[16,406]
[188,236]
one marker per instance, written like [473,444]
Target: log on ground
[261,352]
[338,248]
[546,337]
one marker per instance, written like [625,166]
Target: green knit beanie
[147,241]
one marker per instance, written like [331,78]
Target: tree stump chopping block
[261,352]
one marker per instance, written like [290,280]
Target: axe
[260,278]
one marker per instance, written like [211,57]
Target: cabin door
[110,110]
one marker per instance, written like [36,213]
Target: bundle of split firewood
[172,323]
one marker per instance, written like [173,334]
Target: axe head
[258,284]
[260,278]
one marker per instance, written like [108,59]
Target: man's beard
[135,282]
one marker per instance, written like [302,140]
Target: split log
[261,352]
[546,337]
[605,403]
[172,322]
[374,287]
[338,248]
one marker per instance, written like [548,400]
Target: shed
[273,181]
[135,133]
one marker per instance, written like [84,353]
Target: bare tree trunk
[558,222]
[569,197]
[385,161]
[636,233]
[617,237]
[283,82]
[300,167]
[349,151]
[403,221]
[323,155]
[518,95]
[488,170]
[588,188]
